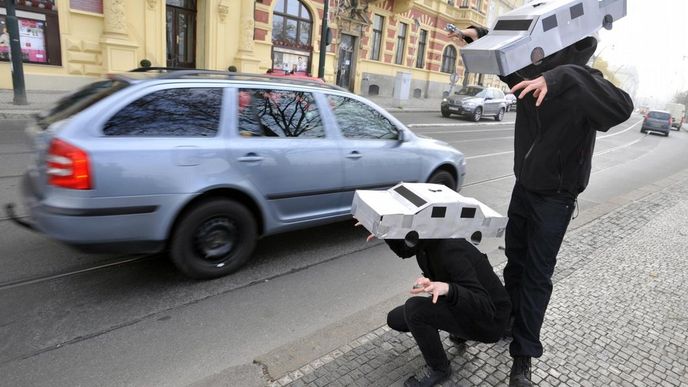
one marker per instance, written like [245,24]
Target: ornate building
[71,42]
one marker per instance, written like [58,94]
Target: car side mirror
[401,137]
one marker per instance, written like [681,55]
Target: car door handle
[354,155]
[250,157]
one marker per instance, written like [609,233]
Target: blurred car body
[203,163]
[510,102]
[678,114]
[475,102]
[657,121]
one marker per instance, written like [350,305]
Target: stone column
[119,52]
[246,59]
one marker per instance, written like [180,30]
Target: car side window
[178,112]
[357,120]
[279,113]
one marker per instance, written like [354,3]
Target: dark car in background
[475,102]
[657,121]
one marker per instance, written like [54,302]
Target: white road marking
[446,124]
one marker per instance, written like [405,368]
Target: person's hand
[436,288]
[538,86]
[370,237]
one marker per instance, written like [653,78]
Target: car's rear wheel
[477,114]
[500,115]
[214,238]
[445,112]
[444,178]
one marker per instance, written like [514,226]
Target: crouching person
[467,300]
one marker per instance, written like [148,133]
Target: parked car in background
[475,102]
[657,121]
[510,102]
[203,163]
[678,114]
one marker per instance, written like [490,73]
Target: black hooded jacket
[554,143]
[476,296]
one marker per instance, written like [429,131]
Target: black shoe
[520,372]
[459,343]
[428,377]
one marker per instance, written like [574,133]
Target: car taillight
[68,166]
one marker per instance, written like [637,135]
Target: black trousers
[424,320]
[536,228]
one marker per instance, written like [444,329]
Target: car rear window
[177,112]
[80,100]
[659,115]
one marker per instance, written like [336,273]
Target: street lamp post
[15,55]
[323,41]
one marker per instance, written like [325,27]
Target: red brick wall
[95,6]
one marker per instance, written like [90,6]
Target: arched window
[449,60]
[291,24]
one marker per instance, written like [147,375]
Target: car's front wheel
[214,238]
[477,114]
[445,112]
[444,178]
[500,115]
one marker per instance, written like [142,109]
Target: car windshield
[80,100]
[659,115]
[471,91]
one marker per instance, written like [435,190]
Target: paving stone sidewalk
[618,315]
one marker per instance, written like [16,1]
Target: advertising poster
[31,38]
[290,62]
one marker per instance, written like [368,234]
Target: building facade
[66,43]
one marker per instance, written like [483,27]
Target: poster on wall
[291,61]
[31,39]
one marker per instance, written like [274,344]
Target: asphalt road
[68,318]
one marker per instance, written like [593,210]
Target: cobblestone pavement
[618,315]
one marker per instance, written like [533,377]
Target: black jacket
[476,296]
[554,143]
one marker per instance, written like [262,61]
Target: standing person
[468,301]
[561,104]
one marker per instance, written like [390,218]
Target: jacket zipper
[537,135]
[560,171]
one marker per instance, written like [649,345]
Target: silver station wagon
[203,163]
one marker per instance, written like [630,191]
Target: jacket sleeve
[465,290]
[603,104]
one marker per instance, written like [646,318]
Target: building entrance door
[346,61]
[181,33]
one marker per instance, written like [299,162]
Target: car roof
[657,111]
[164,73]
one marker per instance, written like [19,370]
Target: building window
[422,42]
[292,28]
[401,43]
[291,25]
[378,23]
[479,5]
[39,33]
[464,4]
[449,60]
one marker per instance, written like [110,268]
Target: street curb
[17,116]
